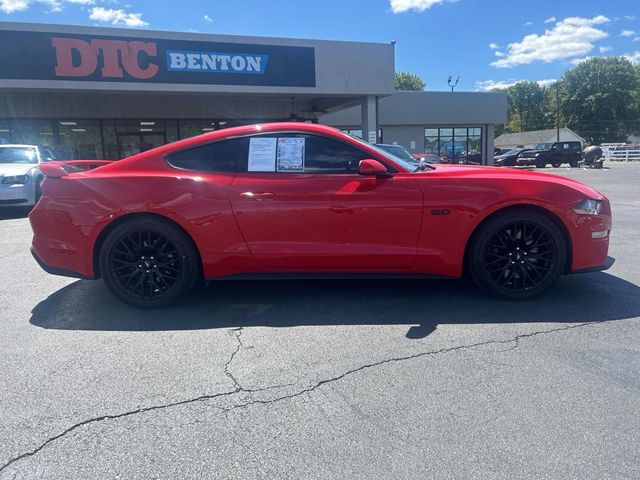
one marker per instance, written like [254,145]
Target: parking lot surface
[348,379]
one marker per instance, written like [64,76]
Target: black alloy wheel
[148,262]
[518,254]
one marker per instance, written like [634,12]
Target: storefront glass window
[33,132]
[79,140]
[357,132]
[455,145]
[5,132]
[191,128]
[110,140]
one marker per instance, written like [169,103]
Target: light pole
[558,111]
[451,83]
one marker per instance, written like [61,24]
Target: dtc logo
[79,58]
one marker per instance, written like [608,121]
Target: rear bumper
[605,266]
[56,271]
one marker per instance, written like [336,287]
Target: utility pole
[558,111]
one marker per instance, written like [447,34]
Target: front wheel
[556,165]
[517,254]
[148,262]
[540,164]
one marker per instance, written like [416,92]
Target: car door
[309,209]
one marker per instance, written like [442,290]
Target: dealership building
[106,93]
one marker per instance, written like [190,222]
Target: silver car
[20,174]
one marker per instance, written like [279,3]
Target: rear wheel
[573,163]
[517,254]
[148,262]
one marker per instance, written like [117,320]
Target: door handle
[258,196]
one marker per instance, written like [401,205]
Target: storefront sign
[48,56]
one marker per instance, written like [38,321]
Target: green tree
[409,81]
[601,99]
[526,107]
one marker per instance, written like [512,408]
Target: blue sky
[487,43]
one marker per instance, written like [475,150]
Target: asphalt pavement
[325,379]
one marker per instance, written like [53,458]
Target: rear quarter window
[222,156]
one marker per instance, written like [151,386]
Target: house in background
[531,139]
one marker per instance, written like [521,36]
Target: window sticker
[262,155]
[291,154]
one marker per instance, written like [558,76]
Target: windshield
[543,146]
[18,155]
[411,166]
[398,151]
[515,151]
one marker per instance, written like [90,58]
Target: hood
[10,169]
[512,174]
[531,153]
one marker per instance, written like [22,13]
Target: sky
[487,43]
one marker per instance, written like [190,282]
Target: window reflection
[455,145]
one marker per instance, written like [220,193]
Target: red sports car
[295,199]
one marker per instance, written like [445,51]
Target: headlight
[588,207]
[16,180]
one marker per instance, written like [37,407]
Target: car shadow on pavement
[420,304]
[11,213]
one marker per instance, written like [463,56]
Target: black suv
[555,153]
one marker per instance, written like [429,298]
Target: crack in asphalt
[239,389]
[237,333]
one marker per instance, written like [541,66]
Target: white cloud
[633,57]
[629,17]
[550,20]
[488,85]
[627,33]
[546,82]
[207,18]
[10,6]
[576,61]
[499,54]
[637,39]
[526,24]
[605,49]
[399,6]
[493,46]
[117,17]
[571,37]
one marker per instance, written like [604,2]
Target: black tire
[540,163]
[556,165]
[573,163]
[149,262]
[517,254]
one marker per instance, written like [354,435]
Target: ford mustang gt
[283,200]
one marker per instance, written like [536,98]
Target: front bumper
[17,195]
[605,266]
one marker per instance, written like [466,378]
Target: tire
[540,163]
[573,163]
[517,254]
[148,262]
[556,165]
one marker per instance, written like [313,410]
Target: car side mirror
[372,167]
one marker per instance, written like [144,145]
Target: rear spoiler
[62,168]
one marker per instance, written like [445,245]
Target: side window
[223,156]
[325,155]
[299,153]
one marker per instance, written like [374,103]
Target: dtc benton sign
[50,56]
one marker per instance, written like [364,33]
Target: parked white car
[20,174]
